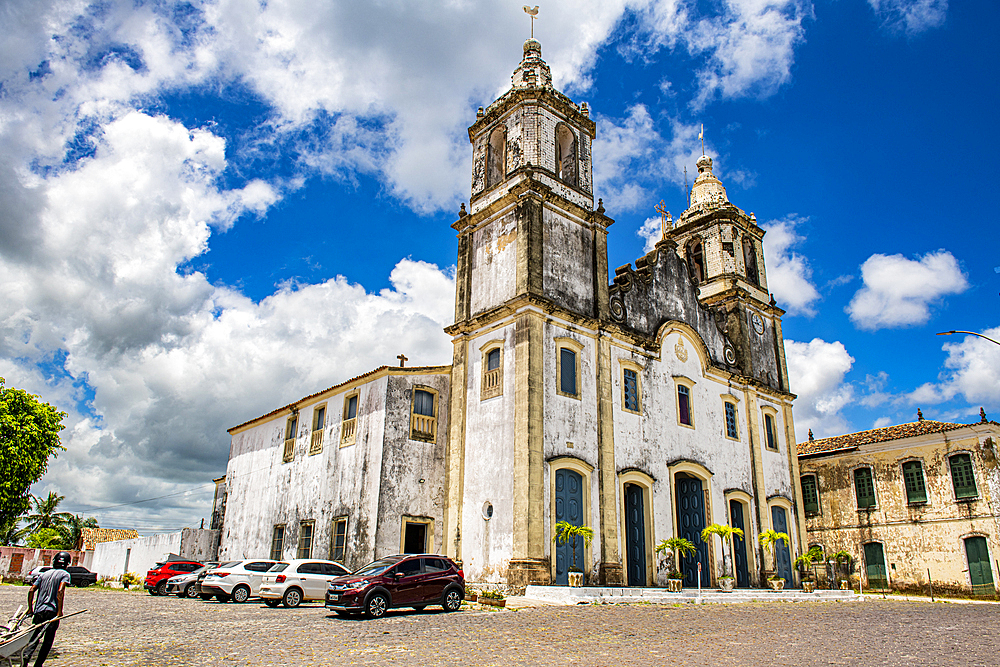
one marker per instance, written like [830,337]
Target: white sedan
[291,582]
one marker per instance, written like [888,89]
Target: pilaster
[611,564]
[455,458]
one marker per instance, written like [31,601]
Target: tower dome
[533,72]
[707,190]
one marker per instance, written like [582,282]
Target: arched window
[496,160]
[566,154]
[750,260]
[696,262]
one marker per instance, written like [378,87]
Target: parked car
[298,580]
[237,582]
[156,579]
[404,580]
[189,585]
[79,576]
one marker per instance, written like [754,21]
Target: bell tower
[531,277]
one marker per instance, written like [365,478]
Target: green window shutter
[810,494]
[864,488]
[913,477]
[962,477]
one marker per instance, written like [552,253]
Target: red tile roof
[884,434]
[91,537]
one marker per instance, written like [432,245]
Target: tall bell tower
[532,257]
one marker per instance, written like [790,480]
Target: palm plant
[72,531]
[45,514]
[806,560]
[726,534]
[768,538]
[677,547]
[11,535]
[567,532]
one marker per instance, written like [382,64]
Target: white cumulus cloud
[899,292]
[789,276]
[816,372]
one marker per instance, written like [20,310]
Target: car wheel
[205,596]
[161,588]
[272,603]
[376,606]
[241,594]
[222,597]
[292,597]
[81,584]
[452,600]
[190,591]
[152,591]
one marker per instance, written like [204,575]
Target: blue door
[635,535]
[569,508]
[739,545]
[782,557]
[690,523]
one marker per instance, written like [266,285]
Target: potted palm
[767,540]
[727,581]
[567,532]
[676,547]
[843,560]
[805,563]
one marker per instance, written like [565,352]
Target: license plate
[334,598]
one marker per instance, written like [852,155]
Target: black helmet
[61,560]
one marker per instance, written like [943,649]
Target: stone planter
[471,597]
[493,603]
[843,584]
[575,579]
[675,585]
[726,584]
[808,586]
[776,584]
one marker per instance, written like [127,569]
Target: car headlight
[356,585]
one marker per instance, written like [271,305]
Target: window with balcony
[492,385]
[349,425]
[290,428]
[423,416]
[319,424]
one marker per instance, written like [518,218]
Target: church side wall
[487,544]
[339,481]
[412,470]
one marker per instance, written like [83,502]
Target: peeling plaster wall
[915,537]
[487,545]
[568,248]
[494,263]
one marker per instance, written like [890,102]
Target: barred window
[631,390]
[731,429]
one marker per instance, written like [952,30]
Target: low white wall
[200,544]
[142,554]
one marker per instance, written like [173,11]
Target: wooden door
[569,508]
[690,523]
[980,572]
[782,556]
[635,534]
[739,545]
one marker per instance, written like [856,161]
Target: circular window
[487,510]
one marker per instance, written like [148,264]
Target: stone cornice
[550,97]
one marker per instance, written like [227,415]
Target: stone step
[607,594]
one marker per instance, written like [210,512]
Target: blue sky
[213,208]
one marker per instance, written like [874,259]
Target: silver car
[188,585]
[294,581]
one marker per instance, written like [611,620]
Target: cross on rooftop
[402,360]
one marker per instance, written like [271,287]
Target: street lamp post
[971,333]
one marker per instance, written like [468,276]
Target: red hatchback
[156,579]
[405,580]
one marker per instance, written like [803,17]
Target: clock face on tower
[757,322]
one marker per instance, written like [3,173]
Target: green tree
[726,533]
[11,535]
[45,514]
[46,538]
[72,530]
[29,435]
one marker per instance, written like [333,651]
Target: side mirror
[398,575]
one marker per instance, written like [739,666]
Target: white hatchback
[238,581]
[291,582]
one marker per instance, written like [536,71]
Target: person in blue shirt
[45,601]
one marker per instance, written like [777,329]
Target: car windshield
[278,567]
[378,567]
[203,568]
[228,563]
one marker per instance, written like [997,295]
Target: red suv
[405,580]
[156,579]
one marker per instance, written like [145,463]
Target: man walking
[45,601]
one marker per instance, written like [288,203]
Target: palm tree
[567,532]
[11,535]
[768,538]
[72,531]
[726,533]
[45,514]
[677,546]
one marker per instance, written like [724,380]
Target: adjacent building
[912,503]
[645,409]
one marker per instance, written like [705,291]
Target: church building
[644,409]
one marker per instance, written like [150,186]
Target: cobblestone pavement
[134,628]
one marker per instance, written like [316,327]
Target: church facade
[644,409]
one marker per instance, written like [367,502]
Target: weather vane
[665,218]
[532,12]
[701,135]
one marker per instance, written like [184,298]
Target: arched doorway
[740,564]
[569,508]
[635,534]
[782,556]
[690,523]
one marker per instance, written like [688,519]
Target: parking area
[134,628]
